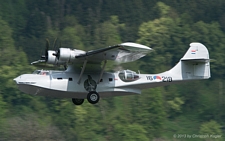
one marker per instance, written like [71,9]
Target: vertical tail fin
[195,64]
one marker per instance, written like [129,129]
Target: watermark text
[201,136]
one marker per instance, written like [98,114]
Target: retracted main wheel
[93,97]
[77,101]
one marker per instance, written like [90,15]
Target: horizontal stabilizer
[196,60]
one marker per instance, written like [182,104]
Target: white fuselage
[65,84]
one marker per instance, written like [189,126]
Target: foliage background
[166,26]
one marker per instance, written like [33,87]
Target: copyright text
[203,136]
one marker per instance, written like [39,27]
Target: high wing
[121,53]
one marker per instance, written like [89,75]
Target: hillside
[159,114]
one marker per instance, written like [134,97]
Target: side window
[110,79]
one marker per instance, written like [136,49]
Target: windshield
[41,72]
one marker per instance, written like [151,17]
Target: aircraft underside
[77,97]
[66,85]
[39,91]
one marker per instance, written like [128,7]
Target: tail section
[195,64]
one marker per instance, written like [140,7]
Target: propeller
[45,59]
[46,50]
[45,56]
[57,52]
[47,45]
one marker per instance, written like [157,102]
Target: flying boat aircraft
[85,76]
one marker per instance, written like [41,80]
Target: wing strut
[82,71]
[103,68]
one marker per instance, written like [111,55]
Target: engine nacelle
[51,59]
[67,55]
[64,54]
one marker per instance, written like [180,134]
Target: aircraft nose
[17,79]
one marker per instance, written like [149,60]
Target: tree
[72,35]
[211,128]
[29,128]
[166,36]
[148,111]
[131,132]
[107,33]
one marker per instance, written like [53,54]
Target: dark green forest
[159,114]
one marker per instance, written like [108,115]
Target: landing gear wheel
[77,101]
[93,97]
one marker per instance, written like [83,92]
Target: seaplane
[85,77]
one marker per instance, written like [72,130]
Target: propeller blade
[36,62]
[65,67]
[57,52]
[43,57]
[47,44]
[55,41]
[46,50]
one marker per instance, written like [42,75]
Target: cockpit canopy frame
[41,72]
[128,75]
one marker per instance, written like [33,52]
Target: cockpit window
[128,75]
[44,73]
[41,72]
[36,72]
